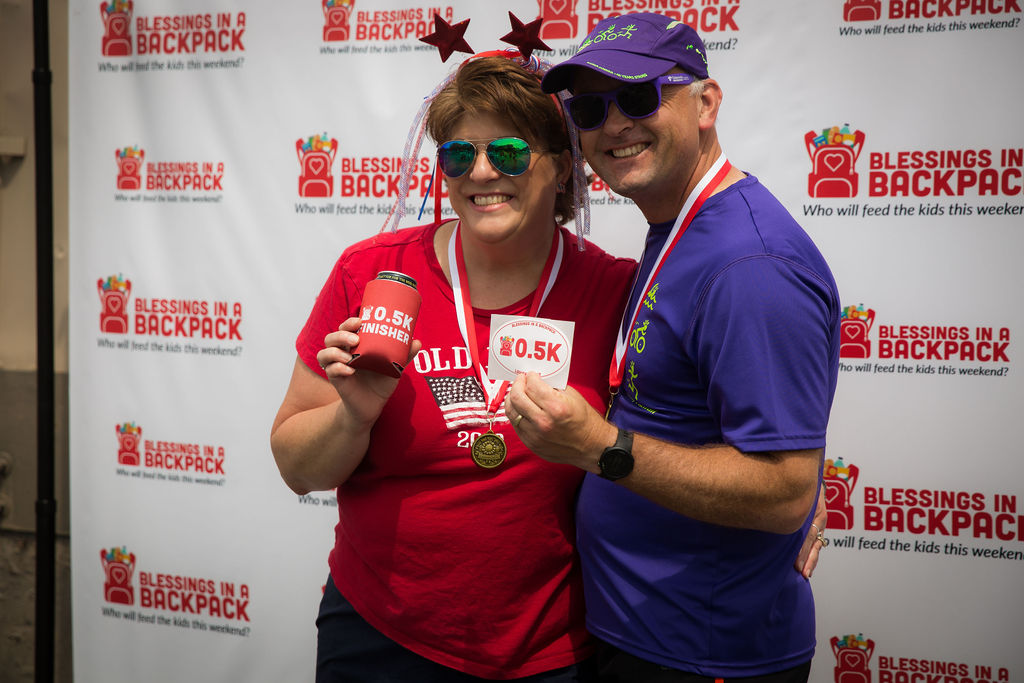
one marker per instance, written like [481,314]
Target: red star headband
[448,38]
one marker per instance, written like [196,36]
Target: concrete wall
[18,341]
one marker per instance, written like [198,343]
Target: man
[705,473]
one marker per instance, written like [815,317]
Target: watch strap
[624,441]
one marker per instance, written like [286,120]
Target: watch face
[616,463]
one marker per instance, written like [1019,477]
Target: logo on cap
[608,34]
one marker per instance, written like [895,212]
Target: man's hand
[559,426]
[807,560]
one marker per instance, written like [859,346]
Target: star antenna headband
[525,38]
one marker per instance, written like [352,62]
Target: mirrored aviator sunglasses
[635,100]
[510,156]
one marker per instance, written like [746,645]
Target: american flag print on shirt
[462,402]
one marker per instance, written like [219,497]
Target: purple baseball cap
[633,48]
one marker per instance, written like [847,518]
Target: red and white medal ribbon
[494,390]
[694,201]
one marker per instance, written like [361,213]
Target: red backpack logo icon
[506,346]
[117,20]
[839,480]
[316,156]
[833,155]
[114,293]
[129,168]
[862,10]
[128,436]
[336,16]
[854,326]
[852,656]
[560,19]
[118,567]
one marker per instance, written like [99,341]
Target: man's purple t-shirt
[738,344]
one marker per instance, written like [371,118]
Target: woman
[442,569]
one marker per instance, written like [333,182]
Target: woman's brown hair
[499,86]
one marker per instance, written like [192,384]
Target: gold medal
[489,450]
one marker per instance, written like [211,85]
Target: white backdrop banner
[222,157]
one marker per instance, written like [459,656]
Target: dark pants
[349,650]
[616,666]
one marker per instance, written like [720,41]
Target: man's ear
[710,101]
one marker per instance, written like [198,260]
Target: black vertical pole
[46,506]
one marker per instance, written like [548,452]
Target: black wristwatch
[617,460]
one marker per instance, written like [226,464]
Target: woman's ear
[564,167]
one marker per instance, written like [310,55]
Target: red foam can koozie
[389,309]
